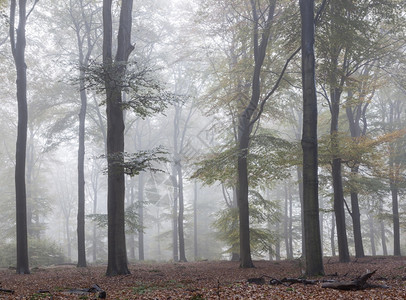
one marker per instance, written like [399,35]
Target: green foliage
[269,159]
[131,219]
[41,253]
[147,95]
[134,163]
[262,212]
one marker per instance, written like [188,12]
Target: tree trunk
[395,218]
[285,224]
[131,236]
[354,115]
[332,235]
[278,243]
[245,126]
[356,222]
[182,253]
[175,215]
[18,50]
[117,254]
[299,171]
[382,228]
[372,235]
[81,174]
[243,206]
[141,184]
[313,248]
[339,211]
[195,244]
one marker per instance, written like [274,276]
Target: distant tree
[18,44]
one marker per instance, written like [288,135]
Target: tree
[114,72]
[313,249]
[82,25]
[246,123]
[18,43]
[353,34]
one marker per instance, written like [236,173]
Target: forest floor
[207,280]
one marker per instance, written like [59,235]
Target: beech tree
[115,70]
[313,248]
[18,44]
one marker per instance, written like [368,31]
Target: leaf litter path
[207,280]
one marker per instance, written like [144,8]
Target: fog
[200,54]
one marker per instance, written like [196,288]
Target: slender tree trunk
[195,229]
[18,50]
[332,235]
[285,224]
[314,254]
[299,171]
[141,184]
[95,199]
[81,174]
[182,253]
[382,228]
[117,254]
[175,215]
[343,253]
[278,243]
[131,237]
[68,239]
[245,126]
[395,219]
[290,224]
[372,235]
[356,222]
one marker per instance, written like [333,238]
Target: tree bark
[372,234]
[182,252]
[117,254]
[195,228]
[175,248]
[141,185]
[81,169]
[343,253]
[314,255]
[395,218]
[245,128]
[18,50]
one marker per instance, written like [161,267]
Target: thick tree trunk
[117,253]
[18,50]
[243,206]
[314,255]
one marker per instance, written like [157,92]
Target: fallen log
[358,283]
[86,292]
[6,291]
